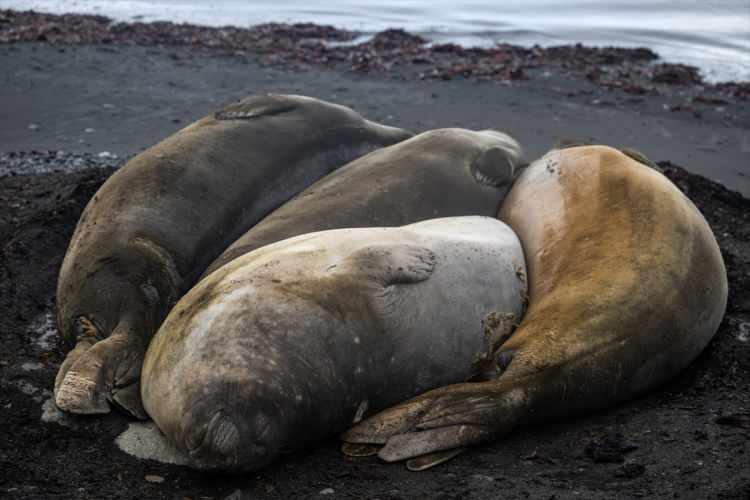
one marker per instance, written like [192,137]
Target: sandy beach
[79,96]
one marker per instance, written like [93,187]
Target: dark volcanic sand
[687,440]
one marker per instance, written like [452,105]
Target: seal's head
[221,430]
[229,378]
[107,308]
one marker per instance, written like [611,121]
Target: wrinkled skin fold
[626,287]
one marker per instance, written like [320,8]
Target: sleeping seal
[440,173]
[626,287]
[154,226]
[289,344]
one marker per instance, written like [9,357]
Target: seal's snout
[226,442]
[224,437]
[215,444]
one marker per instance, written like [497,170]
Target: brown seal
[626,287]
[440,173]
[154,226]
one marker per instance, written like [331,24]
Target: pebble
[41,162]
[327,491]
[744,334]
[153,478]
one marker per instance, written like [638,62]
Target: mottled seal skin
[626,287]
[440,173]
[154,226]
[291,343]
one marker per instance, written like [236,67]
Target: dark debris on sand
[689,439]
[631,70]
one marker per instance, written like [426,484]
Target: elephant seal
[154,226]
[626,287]
[289,344]
[440,173]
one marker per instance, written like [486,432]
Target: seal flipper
[430,460]
[105,371]
[443,420]
[393,264]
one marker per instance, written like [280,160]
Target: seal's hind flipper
[360,449]
[393,264]
[444,420]
[431,460]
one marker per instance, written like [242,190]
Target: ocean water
[711,34]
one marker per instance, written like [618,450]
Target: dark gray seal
[154,226]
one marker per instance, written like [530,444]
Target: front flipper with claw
[97,374]
[439,424]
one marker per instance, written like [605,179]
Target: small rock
[744,334]
[741,420]
[236,495]
[610,448]
[630,470]
[482,478]
[34,127]
[153,478]
[327,491]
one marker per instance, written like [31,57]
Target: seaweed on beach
[631,70]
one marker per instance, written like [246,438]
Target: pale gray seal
[289,344]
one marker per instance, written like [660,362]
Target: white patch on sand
[52,414]
[144,440]
[30,389]
[744,334]
[26,387]
[44,328]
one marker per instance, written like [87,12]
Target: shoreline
[719,59]
[118,99]
[636,71]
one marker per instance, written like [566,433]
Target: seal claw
[432,459]
[360,449]
[417,444]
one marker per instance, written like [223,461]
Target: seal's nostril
[225,436]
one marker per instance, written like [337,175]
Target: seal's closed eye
[493,167]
